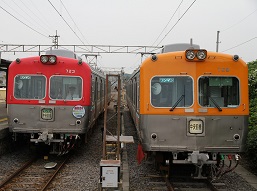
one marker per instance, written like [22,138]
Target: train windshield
[218,91]
[167,90]
[29,87]
[65,88]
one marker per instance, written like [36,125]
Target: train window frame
[21,88]
[170,103]
[63,91]
[220,99]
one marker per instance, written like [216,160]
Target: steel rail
[8,179]
[55,173]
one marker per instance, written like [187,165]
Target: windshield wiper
[176,104]
[215,103]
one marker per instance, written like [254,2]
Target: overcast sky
[131,22]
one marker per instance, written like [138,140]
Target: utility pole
[218,41]
[55,40]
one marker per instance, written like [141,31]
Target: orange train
[191,107]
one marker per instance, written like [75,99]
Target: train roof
[63,53]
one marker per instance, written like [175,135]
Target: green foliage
[252,68]
[251,144]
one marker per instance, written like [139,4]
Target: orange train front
[191,107]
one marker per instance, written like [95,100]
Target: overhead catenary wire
[74,22]
[23,22]
[43,17]
[38,17]
[168,22]
[71,27]
[240,44]
[234,26]
[176,23]
[66,22]
[29,16]
[238,21]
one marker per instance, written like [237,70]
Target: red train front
[53,99]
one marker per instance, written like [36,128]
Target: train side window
[29,87]
[65,87]
[221,91]
[167,90]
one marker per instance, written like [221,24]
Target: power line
[43,24]
[239,44]
[176,23]
[239,21]
[66,22]
[23,22]
[32,20]
[74,22]
[168,22]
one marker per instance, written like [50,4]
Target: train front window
[65,88]
[167,91]
[29,87]
[218,91]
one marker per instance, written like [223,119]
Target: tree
[252,69]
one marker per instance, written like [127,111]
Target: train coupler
[45,137]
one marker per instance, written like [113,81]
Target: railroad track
[186,184]
[163,182]
[158,182]
[33,175]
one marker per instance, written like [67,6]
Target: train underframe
[198,165]
[57,143]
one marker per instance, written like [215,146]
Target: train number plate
[195,127]
[47,113]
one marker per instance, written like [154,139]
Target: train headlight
[190,54]
[196,55]
[201,54]
[52,59]
[48,59]
[154,136]
[44,59]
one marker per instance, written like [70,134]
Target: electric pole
[218,38]
[55,40]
